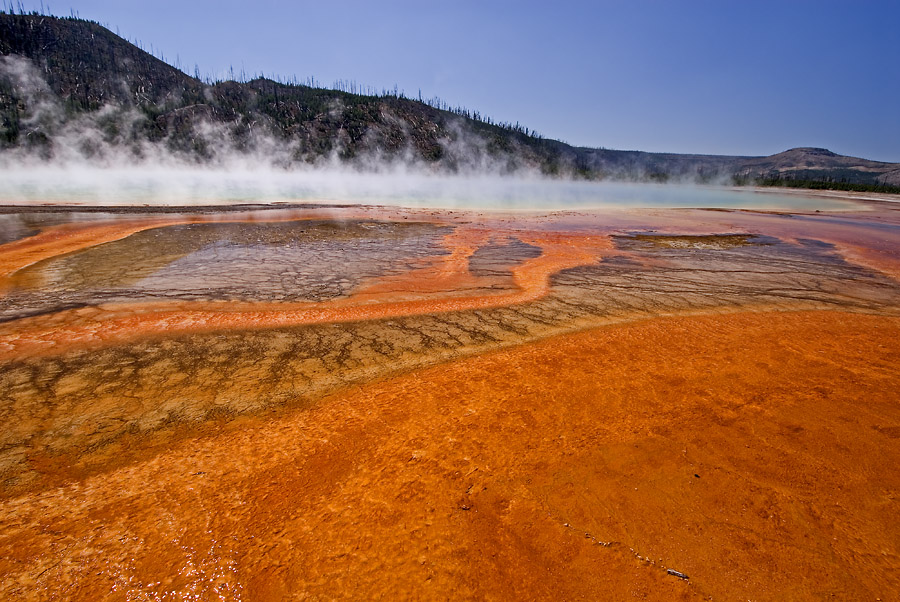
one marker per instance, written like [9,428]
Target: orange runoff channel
[415,293]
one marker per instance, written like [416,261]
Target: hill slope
[819,164]
[72,89]
[61,78]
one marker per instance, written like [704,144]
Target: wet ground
[131,343]
[312,260]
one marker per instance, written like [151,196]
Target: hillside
[79,75]
[819,164]
[72,89]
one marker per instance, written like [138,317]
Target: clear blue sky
[717,76]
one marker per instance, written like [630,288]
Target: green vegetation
[823,184]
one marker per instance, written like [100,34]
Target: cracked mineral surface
[366,402]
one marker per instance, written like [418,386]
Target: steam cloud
[104,158]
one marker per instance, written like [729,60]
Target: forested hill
[71,88]
[87,71]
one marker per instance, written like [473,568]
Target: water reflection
[287,261]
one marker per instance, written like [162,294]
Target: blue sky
[722,77]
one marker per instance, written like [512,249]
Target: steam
[185,185]
[104,157]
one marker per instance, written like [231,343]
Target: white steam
[245,183]
[104,158]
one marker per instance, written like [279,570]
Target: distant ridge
[812,165]
[70,86]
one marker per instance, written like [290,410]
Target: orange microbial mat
[313,403]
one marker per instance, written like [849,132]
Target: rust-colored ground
[436,288]
[754,452]
[439,286]
[212,449]
[68,238]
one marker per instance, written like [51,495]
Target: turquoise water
[182,186]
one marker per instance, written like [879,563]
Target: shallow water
[284,261]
